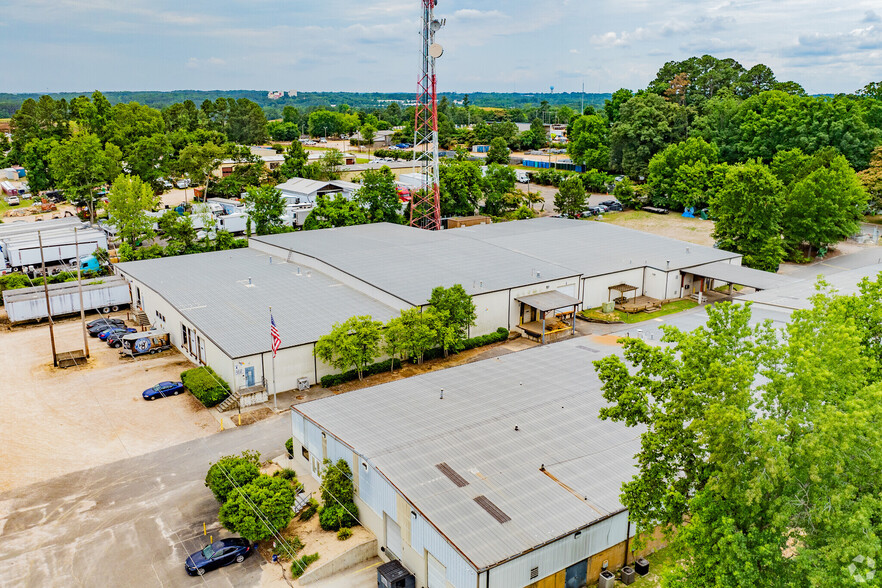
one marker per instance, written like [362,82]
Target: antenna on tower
[425,202]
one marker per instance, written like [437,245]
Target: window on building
[183,336]
[304,452]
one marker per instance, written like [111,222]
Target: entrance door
[437,573]
[249,376]
[201,349]
[393,538]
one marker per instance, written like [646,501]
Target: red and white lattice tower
[425,203]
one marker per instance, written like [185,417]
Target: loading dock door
[393,538]
[437,572]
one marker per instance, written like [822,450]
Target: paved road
[128,523]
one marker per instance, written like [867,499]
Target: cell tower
[425,203]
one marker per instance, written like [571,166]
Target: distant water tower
[552,89]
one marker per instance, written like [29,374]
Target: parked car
[613,205]
[323,140]
[103,335]
[163,389]
[115,339]
[13,200]
[105,321]
[97,329]
[219,554]
[183,183]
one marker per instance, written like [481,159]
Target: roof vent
[534,573]
[492,509]
[450,473]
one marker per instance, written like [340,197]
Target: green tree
[338,505]
[625,193]
[748,209]
[179,233]
[352,344]
[35,157]
[588,142]
[334,211]
[685,174]
[295,160]
[418,333]
[260,508]
[127,204]
[290,114]
[646,125]
[149,158]
[198,161]
[871,177]
[395,337]
[368,132]
[499,151]
[231,472]
[570,197]
[129,123]
[754,466]
[458,306]
[379,195]
[80,164]
[539,136]
[500,195]
[613,105]
[825,207]
[330,165]
[461,187]
[265,207]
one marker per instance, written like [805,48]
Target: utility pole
[80,291]
[48,307]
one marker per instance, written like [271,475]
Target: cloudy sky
[372,45]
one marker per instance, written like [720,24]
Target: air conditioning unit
[641,566]
[394,575]
[607,580]
[303,383]
[628,575]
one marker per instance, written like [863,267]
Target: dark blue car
[163,389]
[219,554]
[113,330]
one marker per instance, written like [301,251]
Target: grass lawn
[876,220]
[361,160]
[617,315]
[4,207]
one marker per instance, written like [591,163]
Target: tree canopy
[127,204]
[352,344]
[260,508]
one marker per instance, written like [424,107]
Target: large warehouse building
[216,305]
[493,474]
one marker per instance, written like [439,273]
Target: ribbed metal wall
[424,537]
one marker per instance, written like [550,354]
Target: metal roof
[307,187]
[743,276]
[408,263]
[227,294]
[797,295]
[594,248]
[551,300]
[550,393]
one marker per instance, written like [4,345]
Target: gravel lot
[59,421]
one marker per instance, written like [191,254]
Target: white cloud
[622,39]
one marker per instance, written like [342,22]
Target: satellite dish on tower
[435,51]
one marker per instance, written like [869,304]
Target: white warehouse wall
[596,288]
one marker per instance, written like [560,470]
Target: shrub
[311,508]
[299,565]
[501,334]
[288,549]
[289,445]
[344,533]
[286,474]
[272,497]
[405,154]
[338,509]
[230,472]
[205,385]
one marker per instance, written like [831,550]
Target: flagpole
[275,387]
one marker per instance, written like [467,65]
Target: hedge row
[501,334]
[405,154]
[205,385]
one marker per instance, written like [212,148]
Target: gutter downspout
[627,540]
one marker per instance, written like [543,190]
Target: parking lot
[63,420]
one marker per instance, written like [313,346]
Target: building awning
[551,300]
[736,274]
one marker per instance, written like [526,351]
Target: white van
[522,176]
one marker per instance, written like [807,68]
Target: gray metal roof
[743,276]
[594,248]
[408,263]
[550,393]
[551,300]
[212,291]
[306,186]
[797,295]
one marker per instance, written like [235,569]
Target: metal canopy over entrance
[536,308]
[736,274]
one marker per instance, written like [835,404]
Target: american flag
[274,333]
